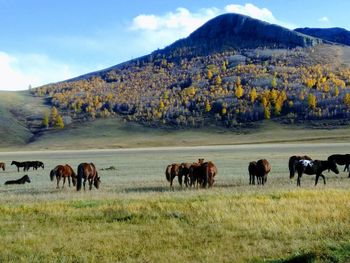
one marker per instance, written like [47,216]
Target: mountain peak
[234,31]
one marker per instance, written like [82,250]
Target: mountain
[335,34]
[233,71]
[235,31]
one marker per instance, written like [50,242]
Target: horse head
[26,178]
[333,166]
[97,181]
[13,162]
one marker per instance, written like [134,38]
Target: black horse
[19,164]
[293,160]
[341,159]
[23,180]
[314,167]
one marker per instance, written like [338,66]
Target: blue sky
[43,41]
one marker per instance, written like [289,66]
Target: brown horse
[293,160]
[203,173]
[63,171]
[22,180]
[89,173]
[263,167]
[2,166]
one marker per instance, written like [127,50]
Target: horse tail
[291,165]
[80,176]
[168,173]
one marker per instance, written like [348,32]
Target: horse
[171,172]
[252,169]
[33,164]
[185,172]
[89,173]
[203,173]
[63,171]
[263,167]
[315,167]
[23,180]
[2,166]
[19,164]
[293,161]
[341,159]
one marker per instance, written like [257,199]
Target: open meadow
[134,217]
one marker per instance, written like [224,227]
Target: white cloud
[324,19]
[252,11]
[19,71]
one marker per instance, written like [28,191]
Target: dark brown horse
[88,172]
[33,164]
[315,167]
[293,161]
[341,159]
[2,166]
[263,167]
[23,180]
[252,169]
[63,171]
[185,172]
[203,173]
[19,165]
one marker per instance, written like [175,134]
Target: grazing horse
[252,169]
[23,180]
[341,159]
[33,164]
[315,167]
[2,166]
[63,171]
[89,173]
[293,161]
[19,164]
[263,167]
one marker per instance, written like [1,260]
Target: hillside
[335,34]
[232,72]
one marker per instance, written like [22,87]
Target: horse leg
[90,184]
[171,182]
[58,181]
[84,183]
[298,180]
[324,178]
[186,181]
[69,181]
[317,175]
[179,177]
[64,181]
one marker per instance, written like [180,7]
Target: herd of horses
[197,174]
[202,173]
[86,172]
[194,174]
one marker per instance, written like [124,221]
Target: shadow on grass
[147,189]
[303,258]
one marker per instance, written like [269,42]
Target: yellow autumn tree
[312,101]
[239,92]
[253,95]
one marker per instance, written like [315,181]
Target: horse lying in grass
[63,171]
[314,167]
[88,172]
[260,170]
[23,180]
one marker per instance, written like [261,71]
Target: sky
[44,41]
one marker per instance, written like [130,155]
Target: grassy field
[134,217]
